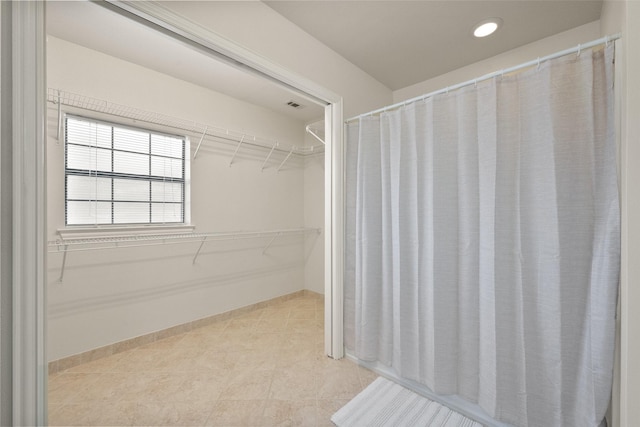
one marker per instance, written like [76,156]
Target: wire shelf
[71,244]
[61,97]
[79,244]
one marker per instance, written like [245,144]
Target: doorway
[333,119]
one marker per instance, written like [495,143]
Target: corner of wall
[314,218]
[612,17]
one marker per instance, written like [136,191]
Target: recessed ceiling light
[487,27]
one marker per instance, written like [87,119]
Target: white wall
[624,16]
[260,29]
[112,295]
[531,51]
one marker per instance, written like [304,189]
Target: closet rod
[577,49]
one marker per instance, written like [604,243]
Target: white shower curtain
[483,242]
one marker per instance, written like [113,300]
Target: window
[121,175]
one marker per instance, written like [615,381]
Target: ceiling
[401,43]
[90,25]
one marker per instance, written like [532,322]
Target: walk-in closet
[185,226]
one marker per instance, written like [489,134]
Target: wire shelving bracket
[204,133]
[285,159]
[268,156]
[273,239]
[236,152]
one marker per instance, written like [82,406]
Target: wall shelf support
[270,243]
[285,159]
[268,156]
[195,154]
[204,239]
[236,152]
[64,263]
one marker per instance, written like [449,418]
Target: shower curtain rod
[576,49]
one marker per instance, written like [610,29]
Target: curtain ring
[538,66]
[579,49]
[606,41]
[475,83]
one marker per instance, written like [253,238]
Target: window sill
[81,232]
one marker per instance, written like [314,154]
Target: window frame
[150,129]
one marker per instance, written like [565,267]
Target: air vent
[294,104]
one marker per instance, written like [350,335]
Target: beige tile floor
[264,368]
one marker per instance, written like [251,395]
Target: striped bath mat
[385,403]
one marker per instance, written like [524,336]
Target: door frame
[23,377]
[23,214]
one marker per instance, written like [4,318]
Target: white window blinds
[120,175]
